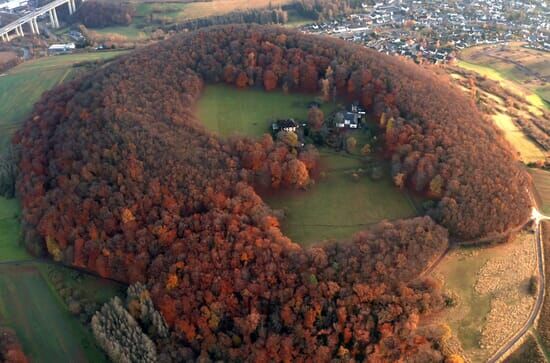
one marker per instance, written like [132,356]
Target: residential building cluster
[432,30]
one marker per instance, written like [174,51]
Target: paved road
[498,356]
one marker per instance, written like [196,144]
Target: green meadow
[338,204]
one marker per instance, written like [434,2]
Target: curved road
[502,351]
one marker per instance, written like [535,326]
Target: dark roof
[350,116]
[286,123]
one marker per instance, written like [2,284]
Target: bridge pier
[53,18]
[72,6]
[56,18]
[35,22]
[34,26]
[32,19]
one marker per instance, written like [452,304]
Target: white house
[61,48]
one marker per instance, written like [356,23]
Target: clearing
[490,289]
[339,204]
[24,85]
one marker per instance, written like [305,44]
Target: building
[76,36]
[288,125]
[347,120]
[357,108]
[11,5]
[61,48]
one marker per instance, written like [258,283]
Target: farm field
[337,205]
[489,286]
[536,103]
[150,13]
[47,332]
[228,110]
[130,33]
[527,149]
[24,84]
[173,11]
[541,179]
[529,67]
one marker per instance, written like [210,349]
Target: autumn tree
[351,144]
[315,118]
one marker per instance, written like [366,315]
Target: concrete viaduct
[15,28]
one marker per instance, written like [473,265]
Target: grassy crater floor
[337,205]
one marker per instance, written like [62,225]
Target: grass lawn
[459,270]
[336,206]
[296,20]
[528,150]
[228,110]
[541,179]
[130,32]
[24,85]
[47,332]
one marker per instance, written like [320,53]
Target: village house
[347,120]
[288,125]
[61,48]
